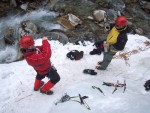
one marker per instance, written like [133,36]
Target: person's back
[39,58]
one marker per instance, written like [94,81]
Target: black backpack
[75,55]
[147,85]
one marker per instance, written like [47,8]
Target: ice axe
[94,87]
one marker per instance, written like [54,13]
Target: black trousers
[52,75]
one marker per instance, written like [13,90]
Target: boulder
[69,21]
[61,37]
[9,36]
[139,31]
[65,23]
[99,15]
[27,28]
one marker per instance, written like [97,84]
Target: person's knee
[56,79]
[40,77]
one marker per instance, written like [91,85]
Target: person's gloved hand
[105,44]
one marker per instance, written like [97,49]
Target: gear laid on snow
[89,71]
[75,55]
[66,98]
[147,85]
[116,85]
[94,87]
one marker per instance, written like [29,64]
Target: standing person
[39,58]
[116,41]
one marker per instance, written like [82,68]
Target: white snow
[17,79]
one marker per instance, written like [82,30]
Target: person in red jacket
[39,58]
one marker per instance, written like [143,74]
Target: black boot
[89,71]
[95,51]
[46,92]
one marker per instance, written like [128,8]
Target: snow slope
[17,79]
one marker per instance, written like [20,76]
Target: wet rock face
[88,26]
[27,28]
[83,8]
[130,1]
[137,13]
[4,7]
[2,43]
[9,36]
[61,37]
[146,7]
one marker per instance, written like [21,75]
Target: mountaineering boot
[46,88]
[99,68]
[38,84]
[95,51]
[99,63]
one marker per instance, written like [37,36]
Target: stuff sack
[75,55]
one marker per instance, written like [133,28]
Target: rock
[13,3]
[5,1]
[130,1]
[111,14]
[65,23]
[32,6]
[27,28]
[74,20]
[61,37]
[99,15]
[24,6]
[139,31]
[9,36]
[90,18]
[146,7]
[101,25]
[2,43]
[129,23]
[70,21]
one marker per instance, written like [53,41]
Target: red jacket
[40,61]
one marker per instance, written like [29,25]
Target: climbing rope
[126,54]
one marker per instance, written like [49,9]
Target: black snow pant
[52,75]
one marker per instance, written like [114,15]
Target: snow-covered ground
[17,79]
